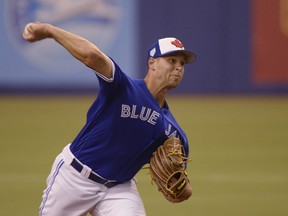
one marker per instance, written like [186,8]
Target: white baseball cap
[169,45]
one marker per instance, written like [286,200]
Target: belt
[92,176]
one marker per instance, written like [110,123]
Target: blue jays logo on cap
[169,45]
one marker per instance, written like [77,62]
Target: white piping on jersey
[104,77]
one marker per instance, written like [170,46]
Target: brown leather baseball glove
[168,171]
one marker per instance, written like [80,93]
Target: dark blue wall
[217,31]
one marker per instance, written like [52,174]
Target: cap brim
[190,56]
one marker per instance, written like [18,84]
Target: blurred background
[232,102]
[241,46]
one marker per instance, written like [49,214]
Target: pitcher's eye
[172,60]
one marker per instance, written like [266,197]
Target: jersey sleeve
[118,81]
[104,78]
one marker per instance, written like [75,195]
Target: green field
[239,152]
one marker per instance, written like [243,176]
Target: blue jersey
[124,126]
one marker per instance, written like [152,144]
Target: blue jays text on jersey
[124,126]
[144,114]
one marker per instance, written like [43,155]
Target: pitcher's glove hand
[168,171]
